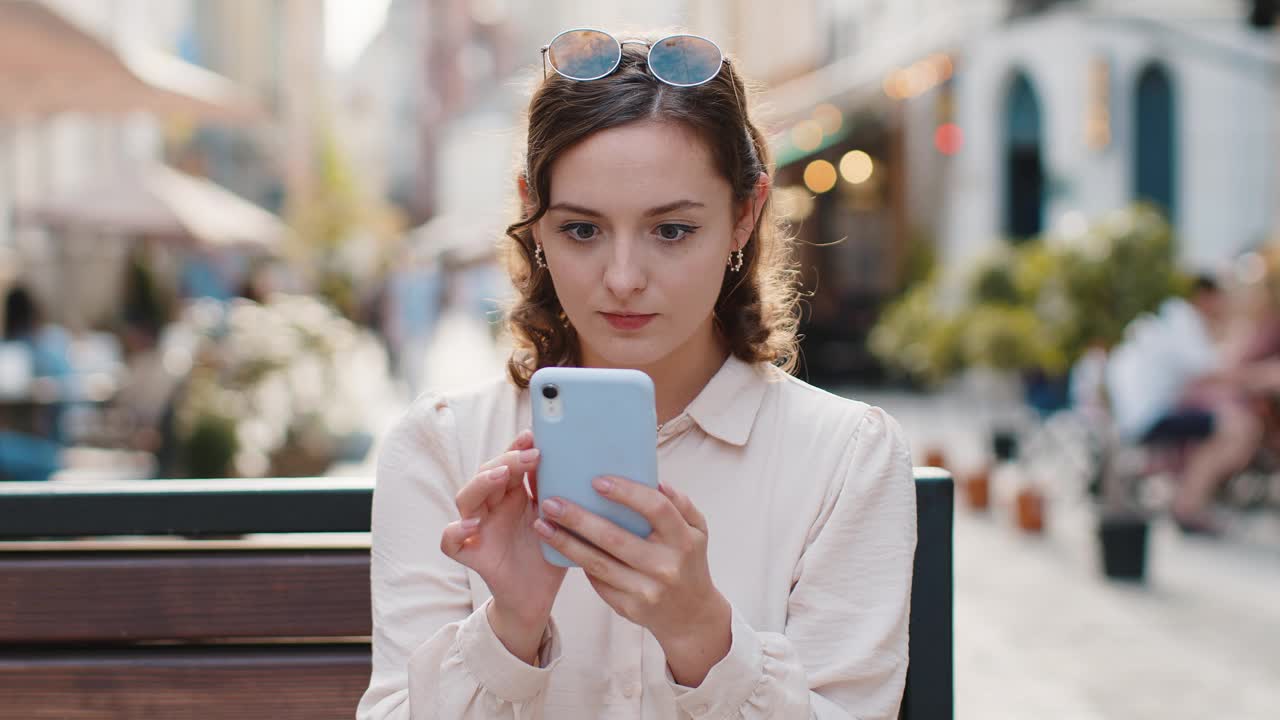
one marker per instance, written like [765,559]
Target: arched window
[1155,127]
[1024,177]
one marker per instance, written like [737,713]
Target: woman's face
[637,235]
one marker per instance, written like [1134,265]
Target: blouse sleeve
[844,650]
[434,655]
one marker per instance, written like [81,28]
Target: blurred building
[861,121]
[275,49]
[381,98]
[45,153]
[1078,109]
[110,127]
[915,132]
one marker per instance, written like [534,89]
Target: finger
[523,440]
[616,541]
[593,561]
[519,461]
[684,506]
[513,456]
[456,534]
[651,504]
[476,494]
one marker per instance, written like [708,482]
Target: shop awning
[158,201]
[50,65]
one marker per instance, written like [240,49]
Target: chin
[636,352]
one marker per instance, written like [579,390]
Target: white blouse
[810,504]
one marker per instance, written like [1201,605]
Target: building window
[1155,163]
[1023,161]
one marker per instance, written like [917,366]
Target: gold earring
[735,260]
[538,257]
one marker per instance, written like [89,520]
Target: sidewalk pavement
[1040,633]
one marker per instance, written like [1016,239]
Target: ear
[749,213]
[526,204]
[522,186]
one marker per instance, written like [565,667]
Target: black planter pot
[1123,540]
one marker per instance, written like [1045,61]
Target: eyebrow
[660,210]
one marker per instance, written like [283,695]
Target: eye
[580,231]
[675,232]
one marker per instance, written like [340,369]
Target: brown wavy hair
[757,308]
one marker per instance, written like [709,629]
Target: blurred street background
[238,237]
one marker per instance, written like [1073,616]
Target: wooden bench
[250,599]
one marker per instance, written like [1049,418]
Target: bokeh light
[948,138]
[807,135]
[829,118]
[856,167]
[820,176]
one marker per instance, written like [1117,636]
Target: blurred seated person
[1170,381]
[1254,342]
[148,390]
[39,387]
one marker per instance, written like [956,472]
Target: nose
[625,274]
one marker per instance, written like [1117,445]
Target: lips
[627,321]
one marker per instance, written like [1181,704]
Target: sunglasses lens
[584,54]
[685,60]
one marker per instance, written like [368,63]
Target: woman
[777,581]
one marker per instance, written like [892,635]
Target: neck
[682,374]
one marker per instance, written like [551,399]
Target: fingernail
[553,507]
[664,488]
[529,455]
[543,528]
[499,472]
[471,523]
[602,485]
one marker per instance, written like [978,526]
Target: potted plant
[1123,526]
[1029,509]
[1126,268]
[266,395]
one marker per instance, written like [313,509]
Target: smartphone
[589,422]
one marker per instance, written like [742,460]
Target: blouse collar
[726,408]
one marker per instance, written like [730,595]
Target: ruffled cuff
[732,682]
[496,669]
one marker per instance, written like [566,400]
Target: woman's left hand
[662,582]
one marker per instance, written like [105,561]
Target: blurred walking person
[411,312]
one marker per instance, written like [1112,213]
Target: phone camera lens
[550,392]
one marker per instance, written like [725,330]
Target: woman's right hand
[495,538]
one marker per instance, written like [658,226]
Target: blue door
[1155,163]
[1024,177]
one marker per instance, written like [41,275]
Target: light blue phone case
[605,423]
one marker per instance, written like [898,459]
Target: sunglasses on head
[681,60]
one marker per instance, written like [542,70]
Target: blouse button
[630,690]
[700,710]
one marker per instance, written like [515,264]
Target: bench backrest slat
[184,507]
[291,683]
[119,597]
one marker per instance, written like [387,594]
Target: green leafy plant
[1038,306]
[915,339]
[271,373]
